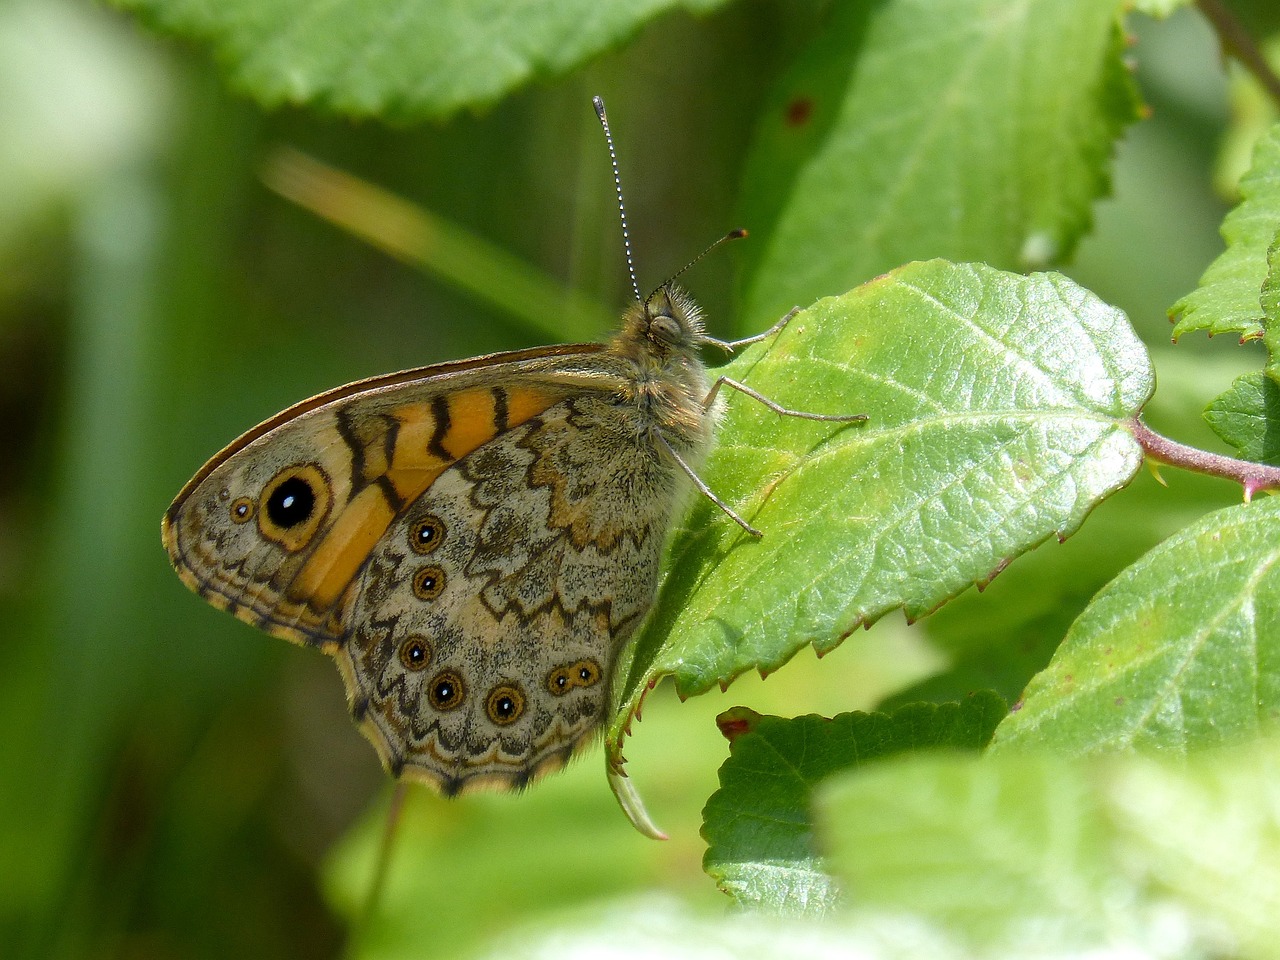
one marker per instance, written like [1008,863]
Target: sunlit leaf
[1179,651]
[1043,856]
[1228,297]
[401,60]
[997,410]
[970,130]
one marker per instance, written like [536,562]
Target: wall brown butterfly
[474,541]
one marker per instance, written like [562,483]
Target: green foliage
[860,165]
[400,61]
[1116,852]
[177,785]
[1248,417]
[1015,445]
[760,844]
[1176,653]
[1228,298]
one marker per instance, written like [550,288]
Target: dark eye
[559,681]
[292,506]
[445,690]
[428,582]
[664,329]
[505,704]
[291,502]
[415,653]
[426,534]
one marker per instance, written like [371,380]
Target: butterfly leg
[776,407]
[733,346]
[703,488]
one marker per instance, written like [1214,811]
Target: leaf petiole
[1252,476]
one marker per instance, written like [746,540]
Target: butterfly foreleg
[733,346]
[702,487]
[777,408]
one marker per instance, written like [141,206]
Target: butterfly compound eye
[292,506]
[664,329]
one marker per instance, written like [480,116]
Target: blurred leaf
[979,846]
[952,477]
[1227,299]
[972,130]
[546,849]
[397,60]
[1104,853]
[653,926]
[1159,8]
[1121,853]
[80,100]
[758,825]
[1181,650]
[1269,301]
[1248,417]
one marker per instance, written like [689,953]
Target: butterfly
[474,542]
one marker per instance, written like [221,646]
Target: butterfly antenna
[731,235]
[598,103]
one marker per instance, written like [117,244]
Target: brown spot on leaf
[736,721]
[799,111]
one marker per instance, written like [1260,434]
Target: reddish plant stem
[1252,476]
[1236,42]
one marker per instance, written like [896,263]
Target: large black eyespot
[426,534]
[428,582]
[505,704]
[293,505]
[291,502]
[415,653]
[446,690]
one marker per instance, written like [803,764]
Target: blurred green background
[177,785]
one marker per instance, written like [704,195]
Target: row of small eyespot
[505,702]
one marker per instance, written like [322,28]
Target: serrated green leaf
[971,130]
[1269,300]
[400,60]
[997,410]
[1038,855]
[1248,417]
[1181,650]
[758,825]
[1228,297]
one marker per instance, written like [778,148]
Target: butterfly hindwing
[490,616]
